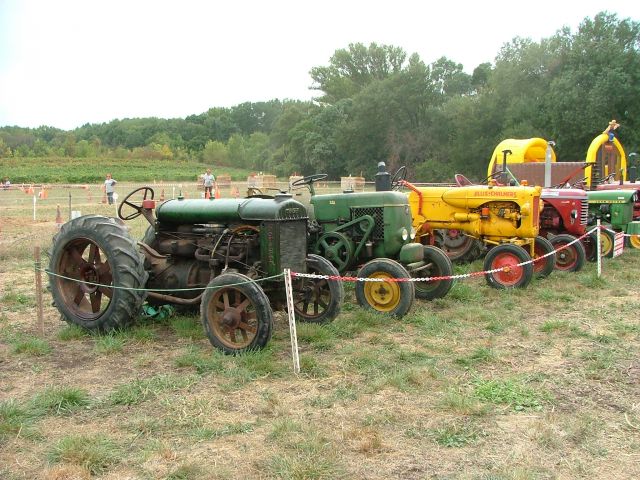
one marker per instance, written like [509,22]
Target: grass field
[541,383]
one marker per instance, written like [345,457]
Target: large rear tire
[571,258]
[236,314]
[394,298]
[96,254]
[507,257]
[318,300]
[439,265]
[460,248]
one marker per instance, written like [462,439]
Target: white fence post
[598,248]
[292,321]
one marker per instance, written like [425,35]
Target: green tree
[215,153]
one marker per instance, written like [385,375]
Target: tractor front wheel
[607,241]
[511,275]
[385,295]
[437,264]
[236,314]
[318,300]
[542,268]
[98,274]
[571,258]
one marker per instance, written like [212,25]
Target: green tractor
[371,233]
[225,256]
[615,209]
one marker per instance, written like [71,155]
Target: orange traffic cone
[30,190]
[217,193]
[58,216]
[42,194]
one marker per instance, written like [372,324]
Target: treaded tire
[97,249]
[393,298]
[508,255]
[237,307]
[318,300]
[572,258]
[442,267]
[543,268]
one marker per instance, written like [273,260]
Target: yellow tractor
[505,218]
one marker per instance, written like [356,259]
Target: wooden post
[38,272]
[292,321]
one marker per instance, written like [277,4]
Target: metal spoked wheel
[89,257]
[459,247]
[337,248]
[507,257]
[236,314]
[318,300]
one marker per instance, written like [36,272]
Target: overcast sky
[65,63]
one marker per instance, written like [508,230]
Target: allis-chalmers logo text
[495,193]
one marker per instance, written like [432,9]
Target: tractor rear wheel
[236,314]
[437,265]
[394,298]
[633,241]
[94,254]
[543,268]
[460,248]
[507,257]
[318,300]
[571,258]
[607,240]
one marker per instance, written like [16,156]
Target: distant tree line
[379,104]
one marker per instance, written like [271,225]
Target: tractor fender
[411,253]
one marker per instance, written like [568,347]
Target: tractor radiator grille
[293,245]
[584,212]
[378,215]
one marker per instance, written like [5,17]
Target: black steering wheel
[399,177]
[493,175]
[607,179]
[138,208]
[309,179]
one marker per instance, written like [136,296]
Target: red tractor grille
[536,211]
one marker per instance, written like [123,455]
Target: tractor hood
[611,196]
[474,196]
[338,205]
[222,210]
[563,193]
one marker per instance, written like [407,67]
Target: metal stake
[292,321]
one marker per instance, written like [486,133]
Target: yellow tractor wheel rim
[634,241]
[606,244]
[382,296]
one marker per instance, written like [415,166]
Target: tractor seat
[461,180]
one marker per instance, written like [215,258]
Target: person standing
[108,188]
[208,180]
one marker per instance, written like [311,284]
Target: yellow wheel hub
[382,296]
[606,245]
[634,241]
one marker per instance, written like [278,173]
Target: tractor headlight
[412,235]
[405,234]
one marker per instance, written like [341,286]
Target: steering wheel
[138,208]
[607,179]
[493,175]
[461,180]
[399,177]
[309,179]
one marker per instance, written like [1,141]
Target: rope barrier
[158,289]
[345,278]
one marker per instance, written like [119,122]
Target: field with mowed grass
[541,383]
